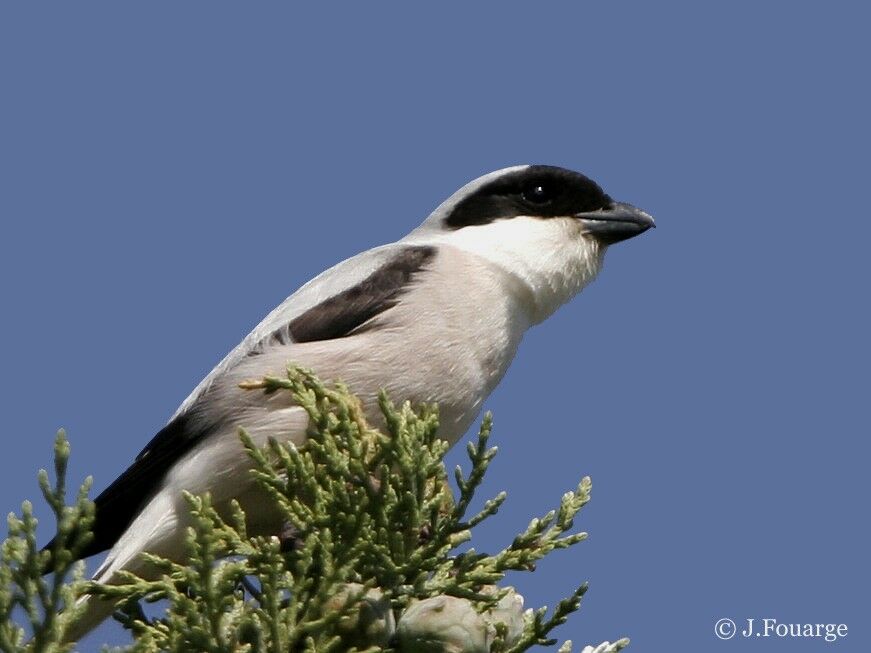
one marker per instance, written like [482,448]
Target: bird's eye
[538,194]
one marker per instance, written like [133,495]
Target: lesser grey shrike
[435,317]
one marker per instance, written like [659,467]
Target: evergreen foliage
[47,604]
[368,561]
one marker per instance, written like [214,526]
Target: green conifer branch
[47,603]
[367,562]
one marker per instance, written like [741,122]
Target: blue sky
[170,172]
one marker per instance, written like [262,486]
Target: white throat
[551,257]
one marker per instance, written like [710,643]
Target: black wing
[347,312]
[120,503]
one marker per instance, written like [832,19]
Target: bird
[435,317]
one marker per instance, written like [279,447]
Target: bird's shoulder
[331,305]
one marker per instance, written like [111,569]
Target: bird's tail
[156,530]
[95,611]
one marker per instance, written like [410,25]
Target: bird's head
[547,226]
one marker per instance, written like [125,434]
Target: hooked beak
[618,222]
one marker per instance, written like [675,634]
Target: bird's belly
[457,378]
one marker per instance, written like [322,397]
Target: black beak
[618,222]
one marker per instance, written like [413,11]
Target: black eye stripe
[538,193]
[535,191]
